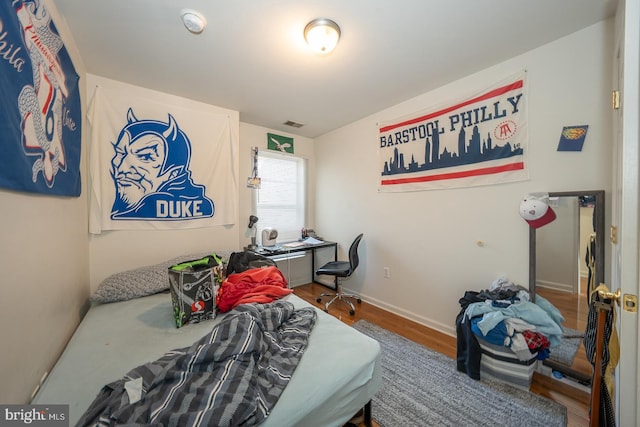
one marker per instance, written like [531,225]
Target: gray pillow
[142,281]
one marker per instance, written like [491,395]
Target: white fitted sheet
[338,374]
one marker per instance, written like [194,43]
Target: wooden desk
[287,248]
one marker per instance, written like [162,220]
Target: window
[281,200]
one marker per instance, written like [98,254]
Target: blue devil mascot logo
[150,170]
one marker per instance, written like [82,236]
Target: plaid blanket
[233,376]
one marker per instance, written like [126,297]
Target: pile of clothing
[504,315]
[260,285]
[250,278]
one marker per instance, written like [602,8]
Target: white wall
[558,247]
[429,239]
[586,230]
[45,268]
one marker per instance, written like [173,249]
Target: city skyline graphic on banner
[471,151]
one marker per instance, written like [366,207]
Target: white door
[624,253]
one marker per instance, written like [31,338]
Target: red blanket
[262,285]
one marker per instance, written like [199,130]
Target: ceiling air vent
[293,124]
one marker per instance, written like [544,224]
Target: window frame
[302,191]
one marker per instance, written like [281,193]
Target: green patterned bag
[193,286]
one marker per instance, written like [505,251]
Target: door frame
[624,252]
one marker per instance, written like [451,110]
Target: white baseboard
[564,287]
[440,327]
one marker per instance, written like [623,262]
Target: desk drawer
[295,267]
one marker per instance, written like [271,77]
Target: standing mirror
[566,259]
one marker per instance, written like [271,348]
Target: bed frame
[336,377]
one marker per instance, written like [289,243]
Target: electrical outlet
[387,273]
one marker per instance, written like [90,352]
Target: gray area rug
[421,387]
[566,351]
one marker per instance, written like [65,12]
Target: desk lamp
[252,225]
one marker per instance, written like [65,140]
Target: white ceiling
[252,57]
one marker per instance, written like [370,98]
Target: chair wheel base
[318,299]
[359,301]
[352,312]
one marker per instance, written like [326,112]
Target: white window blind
[281,200]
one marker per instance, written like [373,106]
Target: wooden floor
[574,308]
[576,401]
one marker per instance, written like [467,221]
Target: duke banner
[155,165]
[40,111]
[478,140]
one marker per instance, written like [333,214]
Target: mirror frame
[598,214]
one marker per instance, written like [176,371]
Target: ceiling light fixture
[193,20]
[322,35]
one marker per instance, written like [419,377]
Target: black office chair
[341,269]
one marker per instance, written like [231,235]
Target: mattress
[500,363]
[337,375]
